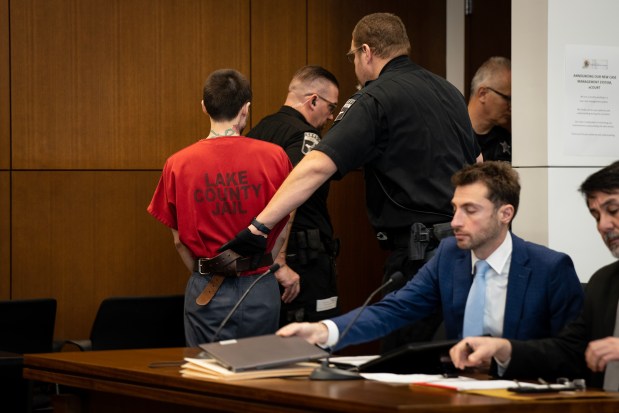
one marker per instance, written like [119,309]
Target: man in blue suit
[528,291]
[588,347]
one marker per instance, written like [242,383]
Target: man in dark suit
[588,347]
[530,291]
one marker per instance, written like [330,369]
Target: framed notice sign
[591,125]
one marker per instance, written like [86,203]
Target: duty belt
[417,238]
[305,246]
[422,237]
[420,233]
[226,264]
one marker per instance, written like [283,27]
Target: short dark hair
[225,92]
[383,32]
[499,177]
[605,180]
[310,73]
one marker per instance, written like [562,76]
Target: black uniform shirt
[496,145]
[410,130]
[289,129]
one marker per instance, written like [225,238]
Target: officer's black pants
[318,282]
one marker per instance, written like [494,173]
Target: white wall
[455,43]
[552,211]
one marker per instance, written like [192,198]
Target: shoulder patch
[345,108]
[310,139]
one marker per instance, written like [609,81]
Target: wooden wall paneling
[488,33]
[5,154]
[5,93]
[119,83]
[427,30]
[5,236]
[331,22]
[84,236]
[278,49]
[198,37]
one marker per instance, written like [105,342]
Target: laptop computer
[262,352]
[423,358]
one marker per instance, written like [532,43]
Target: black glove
[248,245]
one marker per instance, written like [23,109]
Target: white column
[552,212]
[455,43]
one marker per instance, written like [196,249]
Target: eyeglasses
[332,106]
[504,96]
[351,54]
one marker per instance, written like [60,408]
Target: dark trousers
[419,331]
[318,283]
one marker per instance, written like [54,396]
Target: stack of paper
[467,383]
[210,369]
[460,383]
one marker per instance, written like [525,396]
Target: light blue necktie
[475,303]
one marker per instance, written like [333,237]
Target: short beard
[608,238]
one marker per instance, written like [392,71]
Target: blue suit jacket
[543,294]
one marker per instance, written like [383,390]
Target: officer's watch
[261,227]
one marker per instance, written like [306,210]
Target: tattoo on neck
[227,132]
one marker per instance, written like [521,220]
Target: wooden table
[8,358]
[121,381]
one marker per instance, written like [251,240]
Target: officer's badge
[506,147]
[310,140]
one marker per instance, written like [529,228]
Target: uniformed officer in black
[410,131]
[490,108]
[496,145]
[311,250]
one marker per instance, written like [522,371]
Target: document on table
[437,380]
[466,383]
[353,361]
